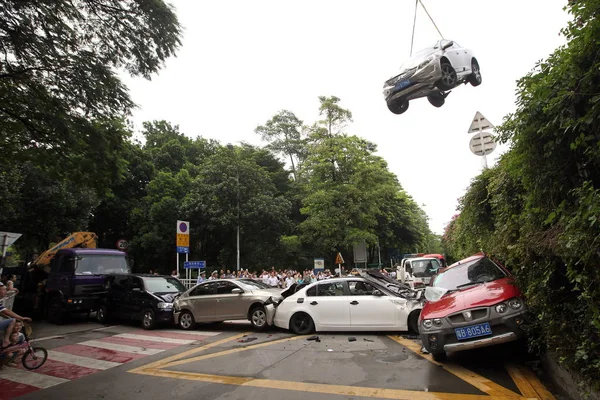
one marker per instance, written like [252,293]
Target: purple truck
[76,280]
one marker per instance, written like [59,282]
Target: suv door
[202,300]
[231,305]
[134,297]
[115,296]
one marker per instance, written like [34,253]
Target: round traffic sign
[183,227]
[122,244]
[482,144]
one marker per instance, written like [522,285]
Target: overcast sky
[242,61]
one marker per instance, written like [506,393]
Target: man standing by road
[8,323]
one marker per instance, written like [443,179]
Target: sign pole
[178,263]
[485,164]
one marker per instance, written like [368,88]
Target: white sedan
[356,303]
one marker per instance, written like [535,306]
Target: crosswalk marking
[31,378]
[81,361]
[159,339]
[193,333]
[120,347]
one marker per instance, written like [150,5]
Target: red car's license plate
[468,332]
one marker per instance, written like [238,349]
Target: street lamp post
[237,188]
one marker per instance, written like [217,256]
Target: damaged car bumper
[413,83]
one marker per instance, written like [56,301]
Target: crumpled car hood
[167,297]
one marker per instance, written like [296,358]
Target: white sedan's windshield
[473,272]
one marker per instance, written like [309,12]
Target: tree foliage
[538,209]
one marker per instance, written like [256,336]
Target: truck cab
[417,272]
[76,279]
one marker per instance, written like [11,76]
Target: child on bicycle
[16,338]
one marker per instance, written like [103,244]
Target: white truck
[417,272]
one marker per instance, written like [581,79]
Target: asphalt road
[229,361]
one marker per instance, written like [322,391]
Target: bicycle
[33,357]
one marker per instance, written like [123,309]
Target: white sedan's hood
[417,59]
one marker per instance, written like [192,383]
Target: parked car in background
[472,303]
[225,299]
[431,73]
[140,297]
[366,302]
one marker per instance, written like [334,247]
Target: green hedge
[538,209]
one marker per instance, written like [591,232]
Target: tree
[359,199]
[335,117]
[233,190]
[58,78]
[283,133]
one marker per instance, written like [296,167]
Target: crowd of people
[278,278]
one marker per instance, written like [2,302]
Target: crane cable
[415,23]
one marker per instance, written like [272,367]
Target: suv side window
[226,287]
[119,282]
[135,282]
[330,289]
[204,289]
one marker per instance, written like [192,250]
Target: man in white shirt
[273,281]
[201,277]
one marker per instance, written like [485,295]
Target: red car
[472,303]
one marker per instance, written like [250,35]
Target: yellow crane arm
[77,239]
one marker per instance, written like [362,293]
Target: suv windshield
[251,284]
[100,264]
[163,285]
[473,272]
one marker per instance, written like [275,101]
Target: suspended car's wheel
[439,356]
[258,318]
[413,322]
[34,357]
[436,101]
[475,77]
[398,106]
[302,324]
[148,319]
[449,78]
[186,321]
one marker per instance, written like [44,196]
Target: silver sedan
[224,299]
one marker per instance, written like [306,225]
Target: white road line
[31,378]
[106,327]
[81,361]
[158,339]
[196,333]
[120,347]
[48,338]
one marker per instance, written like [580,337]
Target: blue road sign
[194,264]
[184,250]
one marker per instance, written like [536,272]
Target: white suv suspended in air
[431,73]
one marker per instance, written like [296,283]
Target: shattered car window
[477,271]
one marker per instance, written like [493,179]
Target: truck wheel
[148,319]
[56,312]
[102,315]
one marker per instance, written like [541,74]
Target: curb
[565,380]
